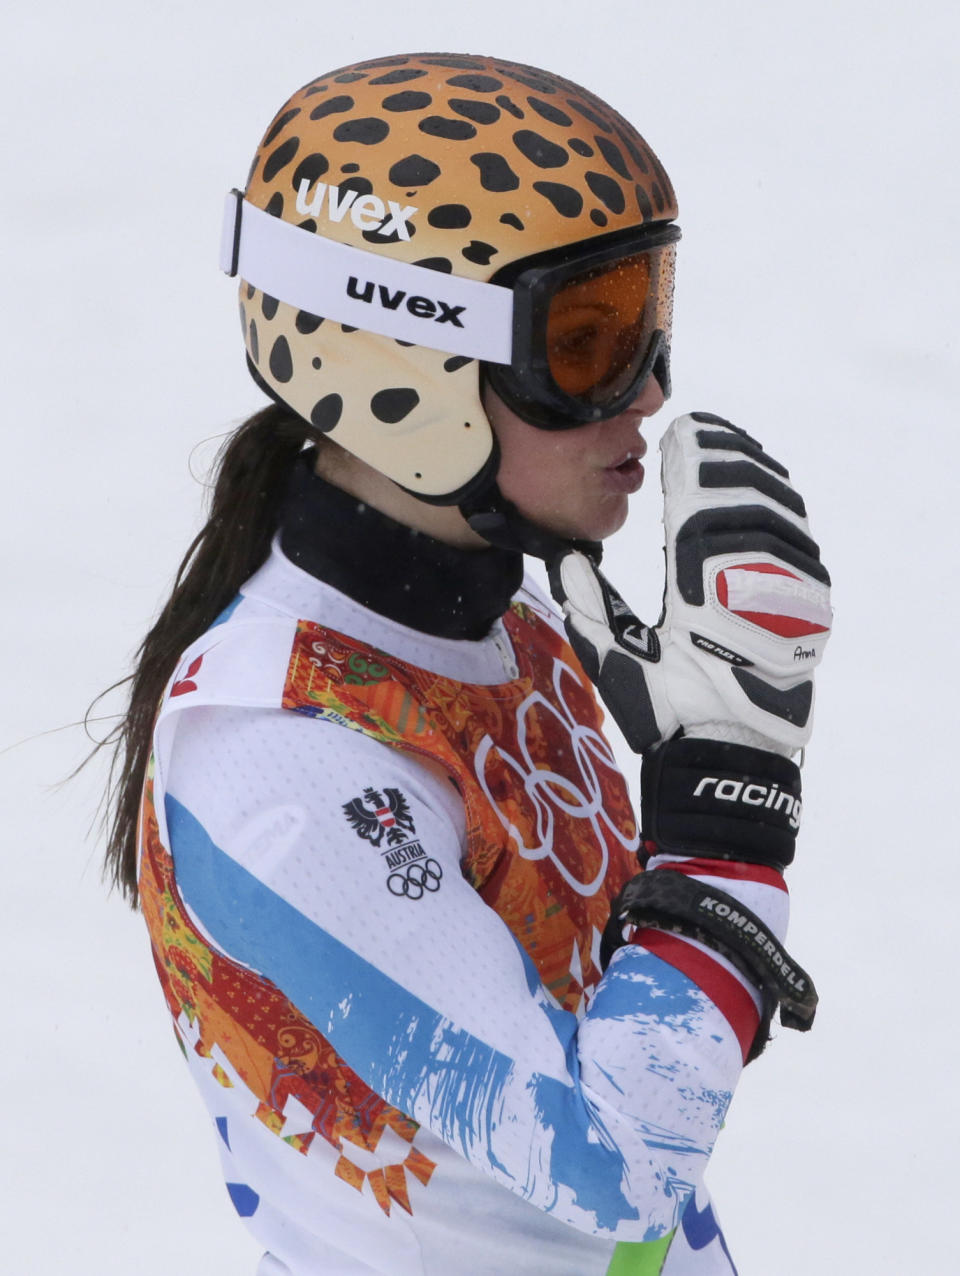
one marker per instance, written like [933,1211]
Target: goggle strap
[363,289]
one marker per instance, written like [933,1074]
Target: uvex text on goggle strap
[568,336]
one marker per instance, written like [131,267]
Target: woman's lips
[626,474]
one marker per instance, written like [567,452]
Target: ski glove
[746,609]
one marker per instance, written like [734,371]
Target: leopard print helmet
[461,165]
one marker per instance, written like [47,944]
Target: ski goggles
[566,337]
[590,324]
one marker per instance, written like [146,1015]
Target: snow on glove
[746,610]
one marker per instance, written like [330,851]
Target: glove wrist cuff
[674,902]
[715,799]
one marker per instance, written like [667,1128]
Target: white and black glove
[718,696]
[746,610]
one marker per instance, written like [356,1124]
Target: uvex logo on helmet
[419,307]
[367,212]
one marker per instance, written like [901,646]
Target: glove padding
[746,609]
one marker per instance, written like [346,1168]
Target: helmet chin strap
[498,521]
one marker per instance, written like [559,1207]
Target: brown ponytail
[250,477]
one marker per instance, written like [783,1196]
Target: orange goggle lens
[600,323]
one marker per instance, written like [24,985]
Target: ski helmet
[407,227]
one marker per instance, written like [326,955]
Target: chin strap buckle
[500,523]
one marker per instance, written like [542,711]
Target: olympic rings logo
[423,875]
[551,794]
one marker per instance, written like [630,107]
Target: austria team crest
[377,814]
[376,817]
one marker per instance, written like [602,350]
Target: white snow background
[814,150]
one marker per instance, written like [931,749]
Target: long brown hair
[250,476]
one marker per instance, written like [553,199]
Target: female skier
[375,829]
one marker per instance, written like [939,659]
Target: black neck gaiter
[394,570]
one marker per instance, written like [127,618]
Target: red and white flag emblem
[775,599]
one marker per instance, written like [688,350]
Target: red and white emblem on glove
[774,598]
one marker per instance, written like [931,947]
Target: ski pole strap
[668,900]
[720,800]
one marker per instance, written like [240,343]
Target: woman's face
[575,482]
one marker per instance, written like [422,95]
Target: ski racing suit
[375,864]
